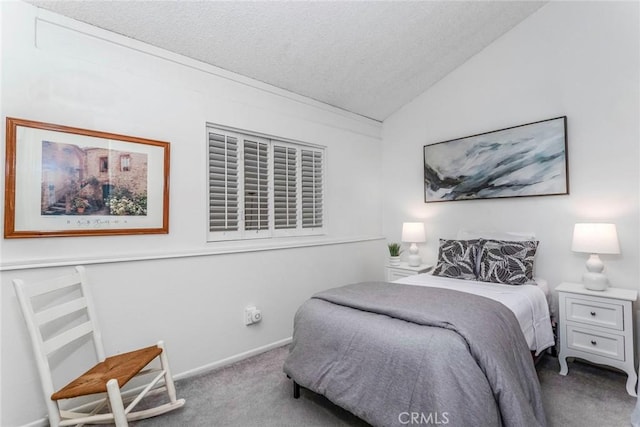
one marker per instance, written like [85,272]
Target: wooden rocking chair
[47,307]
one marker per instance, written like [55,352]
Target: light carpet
[255,392]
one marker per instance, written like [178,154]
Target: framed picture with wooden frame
[66,181]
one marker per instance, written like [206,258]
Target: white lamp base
[414,257]
[594,279]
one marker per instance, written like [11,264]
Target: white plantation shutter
[256,186]
[223,182]
[312,189]
[261,187]
[285,187]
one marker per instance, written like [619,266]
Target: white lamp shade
[595,238]
[413,232]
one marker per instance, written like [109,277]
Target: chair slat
[67,337]
[54,284]
[53,313]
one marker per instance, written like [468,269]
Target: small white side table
[395,272]
[597,326]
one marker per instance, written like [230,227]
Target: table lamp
[413,232]
[594,239]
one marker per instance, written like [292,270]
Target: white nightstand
[597,326]
[395,272]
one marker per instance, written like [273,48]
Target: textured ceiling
[367,57]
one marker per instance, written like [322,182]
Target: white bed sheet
[529,303]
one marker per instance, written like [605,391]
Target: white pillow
[511,236]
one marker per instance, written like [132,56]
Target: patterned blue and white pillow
[506,261]
[457,259]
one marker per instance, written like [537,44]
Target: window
[285,187]
[104,164]
[256,189]
[125,163]
[311,189]
[261,187]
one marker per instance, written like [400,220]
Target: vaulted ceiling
[367,57]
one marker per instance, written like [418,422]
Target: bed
[428,349]
[530,303]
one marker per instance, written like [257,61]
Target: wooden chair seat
[121,367]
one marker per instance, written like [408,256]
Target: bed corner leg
[296,390]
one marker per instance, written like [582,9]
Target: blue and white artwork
[526,160]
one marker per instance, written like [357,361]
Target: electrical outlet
[252,315]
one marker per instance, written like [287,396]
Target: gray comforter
[404,355]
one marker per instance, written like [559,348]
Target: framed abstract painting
[64,181]
[519,161]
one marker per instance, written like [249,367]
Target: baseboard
[44,422]
[230,360]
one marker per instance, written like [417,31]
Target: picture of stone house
[92,181]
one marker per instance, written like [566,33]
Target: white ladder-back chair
[47,307]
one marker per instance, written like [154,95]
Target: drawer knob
[593,313]
[593,342]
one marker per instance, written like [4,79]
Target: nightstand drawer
[394,274]
[595,313]
[593,342]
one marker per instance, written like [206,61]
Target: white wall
[574,59]
[579,59]
[150,287]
